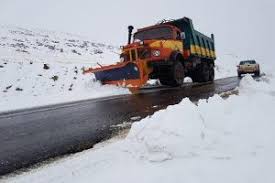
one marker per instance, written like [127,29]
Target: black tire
[175,76]
[164,81]
[202,73]
[205,74]
[239,75]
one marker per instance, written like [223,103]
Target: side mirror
[182,35]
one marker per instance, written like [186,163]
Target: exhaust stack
[213,37]
[130,30]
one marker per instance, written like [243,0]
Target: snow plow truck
[168,51]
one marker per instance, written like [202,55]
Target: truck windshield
[154,33]
[248,62]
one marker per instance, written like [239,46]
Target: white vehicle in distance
[248,67]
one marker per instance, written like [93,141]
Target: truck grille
[133,54]
[144,53]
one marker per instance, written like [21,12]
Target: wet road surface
[34,135]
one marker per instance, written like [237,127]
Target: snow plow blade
[126,74]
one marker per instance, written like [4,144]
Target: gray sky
[242,27]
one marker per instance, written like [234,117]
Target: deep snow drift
[215,141]
[41,67]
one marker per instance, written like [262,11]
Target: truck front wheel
[175,76]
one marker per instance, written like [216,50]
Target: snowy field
[216,140]
[40,67]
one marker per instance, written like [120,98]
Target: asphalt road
[34,135]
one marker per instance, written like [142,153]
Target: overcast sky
[242,27]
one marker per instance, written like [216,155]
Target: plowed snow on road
[216,140]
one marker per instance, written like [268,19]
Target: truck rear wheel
[205,73]
[175,76]
[202,73]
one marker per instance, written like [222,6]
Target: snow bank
[224,126]
[214,141]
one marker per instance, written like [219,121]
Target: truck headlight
[156,53]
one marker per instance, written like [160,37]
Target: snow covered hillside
[41,67]
[216,140]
